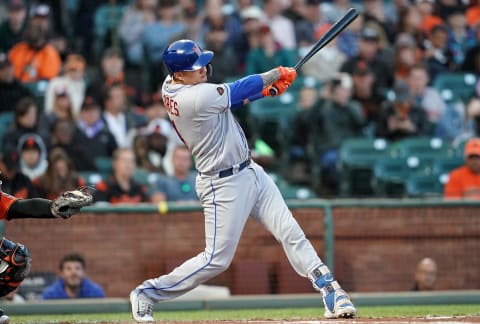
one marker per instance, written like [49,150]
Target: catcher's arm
[65,206]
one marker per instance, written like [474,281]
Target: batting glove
[276,89]
[287,73]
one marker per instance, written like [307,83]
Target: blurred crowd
[79,84]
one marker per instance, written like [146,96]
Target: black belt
[228,172]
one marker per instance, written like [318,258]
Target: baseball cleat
[336,300]
[142,308]
[4,319]
[338,305]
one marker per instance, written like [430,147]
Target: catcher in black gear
[15,258]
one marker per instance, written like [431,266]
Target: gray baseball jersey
[230,190]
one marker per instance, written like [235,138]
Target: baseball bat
[326,38]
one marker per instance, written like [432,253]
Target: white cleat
[142,308]
[4,319]
[339,305]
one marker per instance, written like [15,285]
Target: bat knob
[273,91]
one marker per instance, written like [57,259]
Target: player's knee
[15,264]
[220,265]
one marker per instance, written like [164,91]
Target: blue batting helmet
[185,55]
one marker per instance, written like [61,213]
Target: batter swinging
[230,186]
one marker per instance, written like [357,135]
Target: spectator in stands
[91,137]
[406,56]
[72,281]
[473,15]
[62,109]
[283,30]
[34,58]
[25,121]
[180,186]
[11,91]
[13,28]
[13,181]
[393,9]
[59,177]
[116,114]
[268,54]
[193,21]
[365,93]
[410,23]
[215,17]
[73,79]
[154,143]
[472,57]
[32,155]
[333,10]
[424,96]
[299,150]
[426,9]
[225,59]
[333,119]
[120,187]
[157,35]
[248,38]
[425,275]
[464,182]
[325,64]
[166,26]
[438,56]
[111,71]
[460,36]
[140,14]
[349,38]
[402,118]
[374,16]
[369,52]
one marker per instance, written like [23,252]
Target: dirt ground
[397,320]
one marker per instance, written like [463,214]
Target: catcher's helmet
[185,55]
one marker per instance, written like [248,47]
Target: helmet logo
[197,50]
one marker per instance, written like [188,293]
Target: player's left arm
[30,208]
[65,206]
[257,86]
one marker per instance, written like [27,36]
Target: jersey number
[171,105]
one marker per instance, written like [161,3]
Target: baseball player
[14,257]
[230,186]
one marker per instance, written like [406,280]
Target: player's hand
[276,89]
[287,73]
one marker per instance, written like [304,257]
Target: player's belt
[234,169]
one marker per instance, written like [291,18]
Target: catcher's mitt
[70,202]
[15,263]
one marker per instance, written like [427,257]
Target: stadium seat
[442,166]
[103,164]
[296,192]
[91,177]
[356,160]
[421,146]
[458,86]
[424,186]
[389,174]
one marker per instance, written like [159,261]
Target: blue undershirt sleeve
[249,87]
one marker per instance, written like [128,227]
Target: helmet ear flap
[209,69]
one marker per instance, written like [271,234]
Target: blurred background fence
[373,245]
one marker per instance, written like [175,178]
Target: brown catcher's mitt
[70,202]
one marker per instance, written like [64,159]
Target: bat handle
[273,91]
